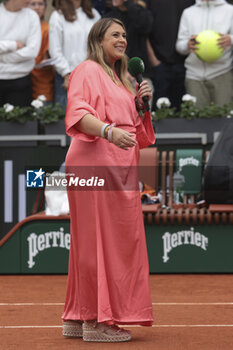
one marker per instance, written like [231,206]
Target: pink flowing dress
[108,277]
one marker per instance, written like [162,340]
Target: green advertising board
[42,246]
[190,249]
[37,247]
[45,247]
[189,164]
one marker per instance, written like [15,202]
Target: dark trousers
[168,81]
[17,92]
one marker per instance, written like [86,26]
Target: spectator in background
[138,23]
[99,5]
[20,38]
[69,28]
[209,82]
[167,66]
[103,6]
[42,78]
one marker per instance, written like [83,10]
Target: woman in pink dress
[108,280]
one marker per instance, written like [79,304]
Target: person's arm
[55,45]
[143,90]
[151,55]
[10,45]
[184,36]
[32,46]
[144,129]
[226,40]
[90,125]
[85,114]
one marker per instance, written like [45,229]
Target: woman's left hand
[224,41]
[143,90]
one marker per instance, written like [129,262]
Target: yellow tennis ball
[208,49]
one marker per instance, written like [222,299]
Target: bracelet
[106,132]
[103,129]
[110,132]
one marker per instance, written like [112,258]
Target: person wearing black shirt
[167,66]
[138,23]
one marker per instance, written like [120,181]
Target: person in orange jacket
[42,77]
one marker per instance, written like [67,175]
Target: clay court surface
[192,312]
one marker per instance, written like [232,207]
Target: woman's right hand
[122,138]
[192,43]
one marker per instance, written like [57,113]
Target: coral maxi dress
[108,276]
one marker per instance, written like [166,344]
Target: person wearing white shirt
[208,82]
[69,28]
[20,39]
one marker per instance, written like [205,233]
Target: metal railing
[59,137]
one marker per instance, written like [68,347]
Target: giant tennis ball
[208,49]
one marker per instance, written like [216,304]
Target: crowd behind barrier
[43,54]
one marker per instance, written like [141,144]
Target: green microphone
[136,68]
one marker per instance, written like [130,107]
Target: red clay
[181,323]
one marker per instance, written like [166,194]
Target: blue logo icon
[35,178]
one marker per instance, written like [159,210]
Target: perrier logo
[47,240]
[184,237]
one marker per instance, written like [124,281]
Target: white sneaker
[101,332]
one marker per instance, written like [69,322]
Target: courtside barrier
[189,237]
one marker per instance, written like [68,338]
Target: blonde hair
[95,51]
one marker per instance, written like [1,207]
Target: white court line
[133,326]
[21,327]
[31,304]
[218,303]
[159,304]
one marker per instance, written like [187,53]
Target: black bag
[218,173]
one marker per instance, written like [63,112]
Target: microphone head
[136,66]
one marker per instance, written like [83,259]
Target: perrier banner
[188,249]
[45,247]
[39,246]
[42,246]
